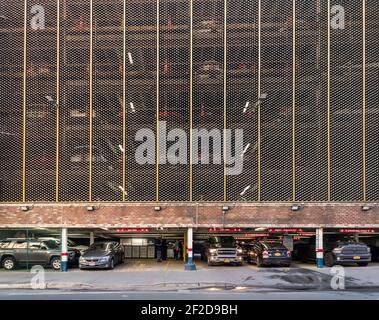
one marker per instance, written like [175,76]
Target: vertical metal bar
[294,100]
[191,100]
[90,100]
[364,99]
[225,97]
[259,95]
[328,102]
[57,106]
[124,104]
[157,108]
[24,106]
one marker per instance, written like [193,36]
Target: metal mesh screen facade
[83,81]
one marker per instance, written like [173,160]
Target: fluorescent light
[246,106]
[244,150]
[260,229]
[132,107]
[121,148]
[49,98]
[244,190]
[130,57]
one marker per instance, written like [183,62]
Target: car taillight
[265,252]
[288,253]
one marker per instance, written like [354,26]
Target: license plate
[356,258]
[277,254]
[92,263]
[227,260]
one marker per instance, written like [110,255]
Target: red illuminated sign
[284,230]
[357,230]
[135,230]
[253,235]
[224,230]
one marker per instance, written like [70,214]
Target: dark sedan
[264,253]
[102,255]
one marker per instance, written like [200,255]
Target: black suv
[264,253]
[337,250]
[22,252]
[222,250]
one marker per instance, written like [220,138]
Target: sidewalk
[168,276]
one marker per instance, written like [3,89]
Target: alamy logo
[208,146]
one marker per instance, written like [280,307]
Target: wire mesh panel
[276,108]
[372,99]
[40,95]
[11,103]
[74,101]
[346,102]
[108,53]
[311,101]
[141,47]
[242,93]
[174,99]
[208,93]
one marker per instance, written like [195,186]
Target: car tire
[9,263]
[111,266]
[362,264]
[259,262]
[55,263]
[329,259]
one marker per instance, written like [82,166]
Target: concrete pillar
[319,248]
[356,237]
[91,238]
[64,253]
[190,265]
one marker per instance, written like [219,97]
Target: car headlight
[81,259]
[239,250]
[368,249]
[212,251]
[104,259]
[337,250]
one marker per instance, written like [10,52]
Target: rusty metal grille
[242,93]
[107,155]
[74,101]
[174,104]
[41,68]
[208,93]
[311,176]
[372,99]
[11,103]
[276,109]
[141,40]
[346,105]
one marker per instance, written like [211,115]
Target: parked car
[207,26]
[22,252]
[265,253]
[102,255]
[222,250]
[337,250]
[70,244]
[210,69]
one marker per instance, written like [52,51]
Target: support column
[356,237]
[319,248]
[64,254]
[91,238]
[190,265]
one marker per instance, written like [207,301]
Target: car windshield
[51,244]
[226,241]
[99,246]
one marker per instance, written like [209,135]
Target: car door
[37,253]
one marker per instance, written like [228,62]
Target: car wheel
[329,259]
[111,266]
[9,263]
[362,264]
[55,263]
[259,262]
